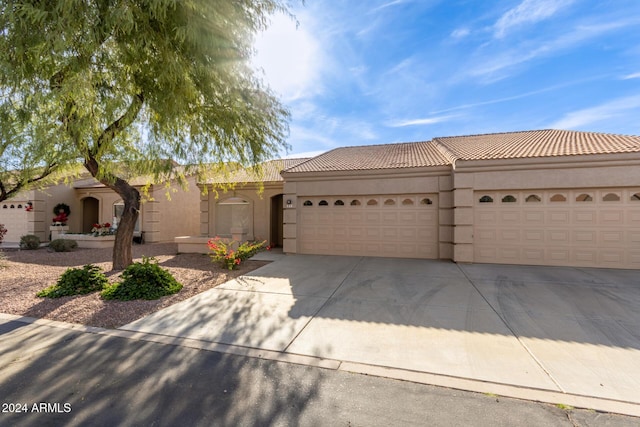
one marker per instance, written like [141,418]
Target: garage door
[382,225]
[584,227]
[15,220]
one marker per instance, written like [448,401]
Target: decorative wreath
[62,207]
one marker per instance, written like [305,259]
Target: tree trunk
[122,247]
[122,250]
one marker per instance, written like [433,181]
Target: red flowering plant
[223,252]
[101,229]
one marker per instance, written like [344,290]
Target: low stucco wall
[192,244]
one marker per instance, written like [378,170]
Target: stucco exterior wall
[176,215]
[260,205]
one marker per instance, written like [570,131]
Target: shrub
[3,231]
[29,241]
[227,257]
[143,280]
[63,245]
[77,281]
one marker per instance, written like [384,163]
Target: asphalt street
[51,376]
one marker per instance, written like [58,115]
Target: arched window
[407,202]
[533,198]
[19,206]
[323,203]
[508,199]
[355,202]
[584,198]
[486,199]
[307,203]
[558,198]
[611,197]
[634,198]
[12,207]
[426,201]
[234,213]
[338,203]
[389,202]
[4,206]
[372,202]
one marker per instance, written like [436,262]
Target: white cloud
[421,122]
[607,111]
[292,58]
[460,33]
[528,12]
[631,76]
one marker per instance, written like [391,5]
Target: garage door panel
[570,232]
[392,227]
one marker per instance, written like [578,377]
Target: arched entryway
[277,221]
[90,213]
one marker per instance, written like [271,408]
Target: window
[558,198]
[533,198]
[12,206]
[338,203]
[233,213]
[389,202]
[323,203]
[118,209]
[19,206]
[486,199]
[372,202]
[634,198]
[355,202]
[426,202]
[307,203]
[584,198]
[508,199]
[407,202]
[611,197]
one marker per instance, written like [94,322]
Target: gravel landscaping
[23,273]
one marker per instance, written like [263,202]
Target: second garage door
[579,227]
[382,225]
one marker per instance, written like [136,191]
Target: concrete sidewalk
[553,334]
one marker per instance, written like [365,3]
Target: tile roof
[372,157]
[270,172]
[537,143]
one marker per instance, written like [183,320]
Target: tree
[28,155]
[140,85]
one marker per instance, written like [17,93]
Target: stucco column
[204,214]
[37,217]
[290,215]
[445,217]
[463,218]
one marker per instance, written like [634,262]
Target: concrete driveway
[573,331]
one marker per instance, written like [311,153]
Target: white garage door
[383,225]
[15,220]
[587,227]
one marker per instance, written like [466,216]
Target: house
[547,197]
[241,205]
[161,219]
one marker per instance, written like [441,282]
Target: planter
[57,231]
[91,242]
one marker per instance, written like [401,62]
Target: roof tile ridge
[445,151]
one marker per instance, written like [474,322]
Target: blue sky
[381,71]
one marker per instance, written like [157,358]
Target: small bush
[30,242]
[63,245]
[77,281]
[142,280]
[3,231]
[227,257]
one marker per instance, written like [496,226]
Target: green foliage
[63,245]
[143,280]
[3,231]
[102,74]
[77,281]
[29,241]
[223,253]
